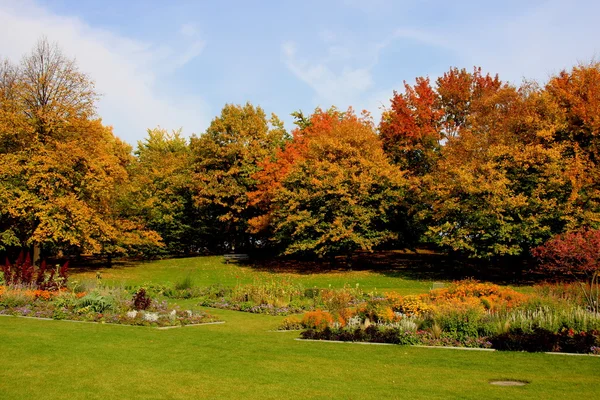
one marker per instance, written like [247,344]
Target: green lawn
[244,359]
[210,270]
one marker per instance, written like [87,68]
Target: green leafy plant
[95,302]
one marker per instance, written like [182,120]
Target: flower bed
[113,306]
[274,297]
[467,314]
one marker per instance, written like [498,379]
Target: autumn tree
[415,128]
[411,129]
[224,160]
[424,116]
[508,182]
[60,169]
[330,190]
[160,191]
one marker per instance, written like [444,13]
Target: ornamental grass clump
[264,296]
[277,292]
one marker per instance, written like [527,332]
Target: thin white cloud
[192,52]
[125,70]
[535,44]
[196,46]
[189,29]
[418,35]
[339,87]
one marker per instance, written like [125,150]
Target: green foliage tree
[161,192]
[224,160]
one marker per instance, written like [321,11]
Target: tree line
[469,163]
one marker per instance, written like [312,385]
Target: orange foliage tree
[330,190]
[516,174]
[61,170]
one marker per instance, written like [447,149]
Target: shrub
[23,272]
[492,297]
[317,319]
[545,340]
[290,324]
[459,317]
[95,303]
[412,305]
[575,254]
[141,301]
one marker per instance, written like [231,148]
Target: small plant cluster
[467,313]
[23,272]
[105,305]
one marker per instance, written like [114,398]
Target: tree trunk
[36,254]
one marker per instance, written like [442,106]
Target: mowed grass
[206,271]
[242,359]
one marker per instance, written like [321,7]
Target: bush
[544,340]
[95,303]
[459,318]
[290,324]
[317,319]
[185,284]
[141,301]
[23,272]
[575,254]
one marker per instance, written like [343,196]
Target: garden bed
[103,305]
[466,314]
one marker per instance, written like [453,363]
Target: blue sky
[176,63]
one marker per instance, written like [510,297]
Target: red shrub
[23,272]
[578,254]
[573,253]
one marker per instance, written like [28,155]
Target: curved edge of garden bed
[441,347]
[109,323]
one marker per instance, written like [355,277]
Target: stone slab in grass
[508,382]
[341,341]
[183,326]
[452,347]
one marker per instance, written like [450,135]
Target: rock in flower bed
[467,314]
[114,306]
